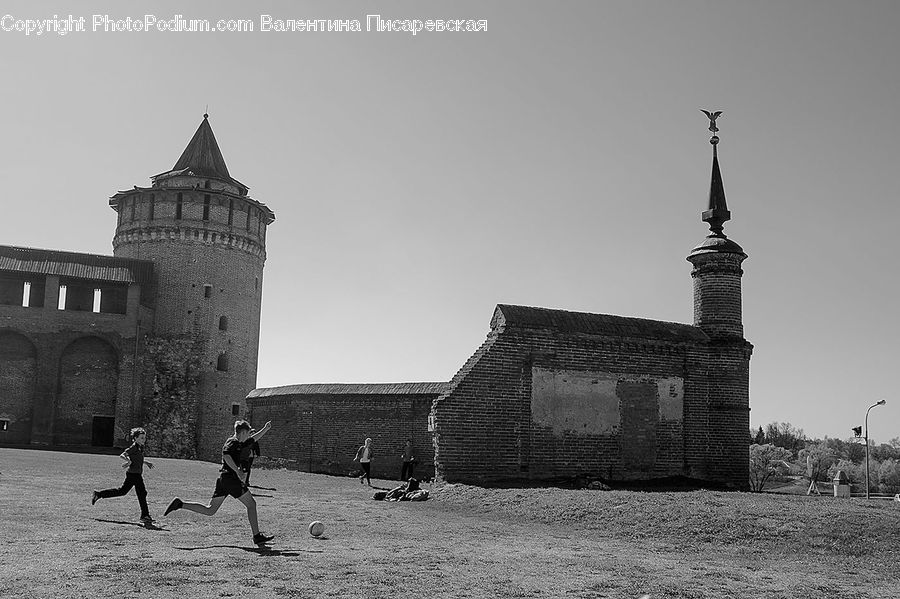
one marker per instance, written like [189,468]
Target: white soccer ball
[316,528]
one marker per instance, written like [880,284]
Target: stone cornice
[188,234]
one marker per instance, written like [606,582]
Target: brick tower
[207,240]
[717,311]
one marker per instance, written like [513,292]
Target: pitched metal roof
[75,265]
[595,324]
[202,154]
[352,389]
[202,158]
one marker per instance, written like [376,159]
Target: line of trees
[781,449]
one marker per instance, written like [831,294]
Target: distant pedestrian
[409,461]
[364,456]
[134,465]
[232,480]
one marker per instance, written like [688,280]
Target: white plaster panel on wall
[671,398]
[575,401]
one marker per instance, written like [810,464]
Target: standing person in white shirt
[364,456]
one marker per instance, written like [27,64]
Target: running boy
[232,480]
[134,462]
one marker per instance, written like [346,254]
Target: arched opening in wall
[222,362]
[223,323]
[18,368]
[88,386]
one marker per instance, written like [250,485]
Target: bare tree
[765,462]
[783,434]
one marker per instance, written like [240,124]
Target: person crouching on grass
[134,462]
[232,480]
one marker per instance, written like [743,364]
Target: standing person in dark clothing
[134,463]
[232,480]
[409,461]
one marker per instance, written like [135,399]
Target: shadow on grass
[262,488]
[262,551]
[138,524]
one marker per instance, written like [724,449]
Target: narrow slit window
[223,323]
[61,304]
[96,306]
[222,362]
[230,211]
[207,291]
[235,409]
[26,293]
[248,217]
[206,206]
[179,201]
[152,206]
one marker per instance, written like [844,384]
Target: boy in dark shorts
[134,462]
[232,480]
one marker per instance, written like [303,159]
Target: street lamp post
[878,403]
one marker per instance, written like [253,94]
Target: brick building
[84,339]
[166,331]
[553,393]
[319,427]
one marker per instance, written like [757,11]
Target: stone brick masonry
[660,405]
[318,428]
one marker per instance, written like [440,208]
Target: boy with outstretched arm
[232,480]
[134,463]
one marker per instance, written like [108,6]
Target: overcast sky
[558,159]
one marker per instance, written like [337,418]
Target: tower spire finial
[206,112]
[717,212]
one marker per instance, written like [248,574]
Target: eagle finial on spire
[712,119]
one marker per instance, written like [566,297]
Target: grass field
[464,542]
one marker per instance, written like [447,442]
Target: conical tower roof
[202,154]
[202,158]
